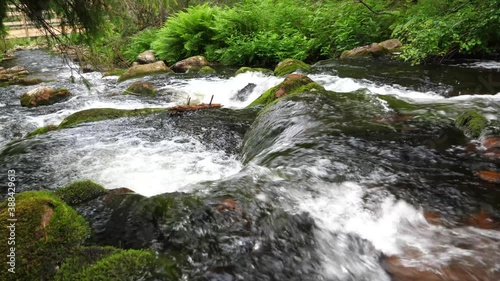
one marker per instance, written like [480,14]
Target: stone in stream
[242,94]
[293,84]
[373,50]
[46,231]
[146,57]
[141,88]
[489,176]
[207,70]
[144,69]
[190,64]
[44,96]
[251,69]
[288,66]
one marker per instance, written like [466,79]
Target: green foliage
[80,191]
[46,232]
[443,28]
[139,43]
[186,34]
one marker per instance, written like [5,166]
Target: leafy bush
[186,34]
[139,43]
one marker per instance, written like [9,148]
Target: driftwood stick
[211,100]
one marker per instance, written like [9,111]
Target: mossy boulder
[44,96]
[288,66]
[106,263]
[293,84]
[141,70]
[114,72]
[98,114]
[42,130]
[46,232]
[383,48]
[190,64]
[141,88]
[80,191]
[471,123]
[207,70]
[251,69]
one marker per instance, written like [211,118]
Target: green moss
[293,84]
[207,70]
[82,258]
[124,265]
[42,130]
[288,66]
[80,191]
[141,88]
[46,231]
[141,70]
[397,104]
[472,123]
[250,69]
[114,72]
[98,114]
[28,81]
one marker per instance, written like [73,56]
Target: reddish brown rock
[432,218]
[482,220]
[489,176]
[44,96]
[192,63]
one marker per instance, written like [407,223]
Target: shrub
[139,43]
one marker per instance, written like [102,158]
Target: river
[367,179]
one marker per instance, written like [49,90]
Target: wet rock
[144,69]
[146,57]
[454,271]
[472,123]
[491,144]
[432,218]
[293,84]
[391,44]
[46,232]
[489,176]
[251,69]
[482,220]
[190,64]
[288,66]
[44,96]
[373,50]
[242,94]
[141,88]
[207,70]
[9,76]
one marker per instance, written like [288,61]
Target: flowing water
[365,179]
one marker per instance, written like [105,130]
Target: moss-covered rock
[373,50]
[207,70]
[190,64]
[46,231]
[80,191]
[472,123]
[42,130]
[114,72]
[293,84]
[98,114]
[141,70]
[288,66]
[141,88]
[44,96]
[81,258]
[113,265]
[251,69]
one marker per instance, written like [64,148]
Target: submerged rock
[251,69]
[489,176]
[46,231]
[288,66]
[144,69]
[190,64]
[242,94]
[98,114]
[140,88]
[42,130]
[472,123]
[373,50]
[146,57]
[44,96]
[293,84]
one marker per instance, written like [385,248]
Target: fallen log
[184,108]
